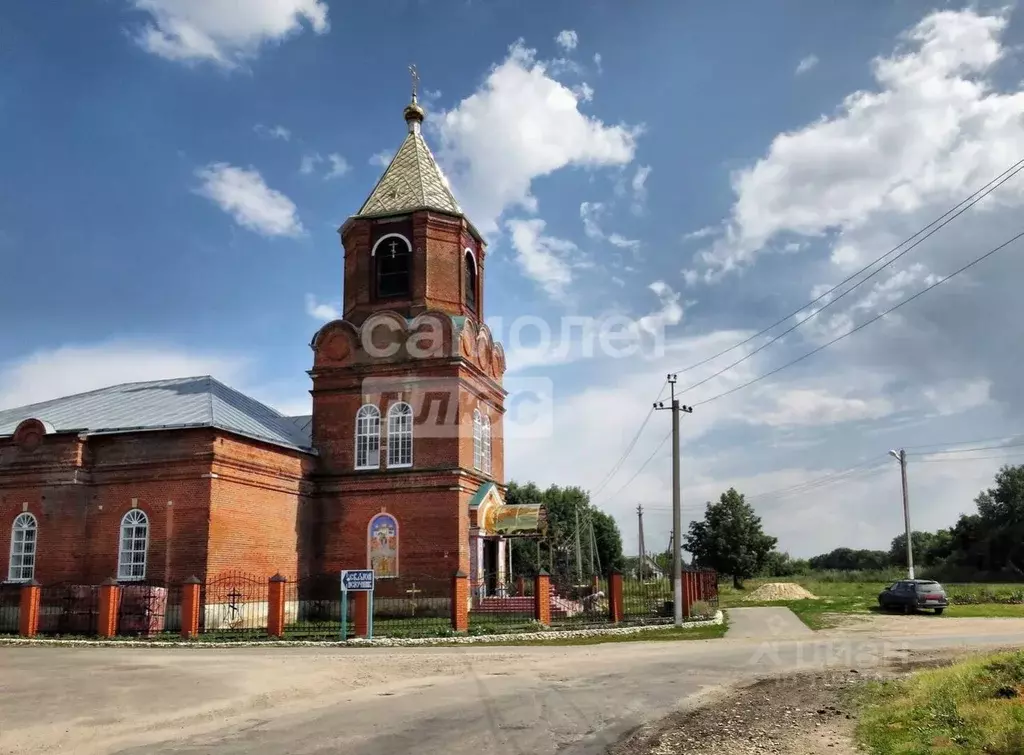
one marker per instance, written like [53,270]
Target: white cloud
[934,126]
[273,132]
[806,64]
[382,159]
[671,312]
[807,406]
[309,162]
[246,197]
[567,39]
[325,311]
[701,233]
[520,125]
[597,62]
[639,186]
[51,373]
[339,166]
[590,214]
[584,92]
[544,259]
[218,31]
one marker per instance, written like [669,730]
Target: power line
[973,458]
[854,287]
[824,481]
[968,450]
[1015,167]
[642,467]
[967,442]
[863,325]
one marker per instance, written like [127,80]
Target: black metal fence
[68,609]
[579,601]
[145,608]
[234,604]
[412,606]
[10,600]
[312,609]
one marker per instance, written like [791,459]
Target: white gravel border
[387,642]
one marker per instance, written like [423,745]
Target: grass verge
[970,707]
[669,634]
[838,598]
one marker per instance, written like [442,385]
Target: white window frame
[486,445]
[400,436]
[23,547]
[478,440]
[367,440]
[127,564]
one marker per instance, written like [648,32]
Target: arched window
[400,435]
[478,440]
[486,444]
[131,555]
[22,565]
[470,281]
[393,258]
[368,437]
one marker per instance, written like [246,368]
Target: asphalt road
[266,701]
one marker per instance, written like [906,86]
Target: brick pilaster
[542,598]
[460,602]
[28,611]
[190,599]
[109,599]
[275,606]
[687,593]
[361,620]
[616,608]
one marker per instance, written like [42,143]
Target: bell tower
[408,402]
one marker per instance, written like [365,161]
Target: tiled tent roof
[412,181]
[165,404]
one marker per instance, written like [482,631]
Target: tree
[782,565]
[730,539]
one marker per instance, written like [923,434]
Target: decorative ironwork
[68,609]
[235,602]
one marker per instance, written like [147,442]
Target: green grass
[837,597]
[668,634]
[949,711]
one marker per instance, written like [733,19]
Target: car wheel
[938,611]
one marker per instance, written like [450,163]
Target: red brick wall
[255,504]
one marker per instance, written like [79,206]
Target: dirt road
[379,702]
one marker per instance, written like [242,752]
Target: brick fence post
[110,594]
[275,606]
[190,607]
[542,598]
[687,593]
[28,610]
[460,602]
[361,620]
[616,609]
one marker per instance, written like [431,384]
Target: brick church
[399,467]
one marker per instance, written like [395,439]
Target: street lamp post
[901,457]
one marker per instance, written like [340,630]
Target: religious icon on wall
[384,546]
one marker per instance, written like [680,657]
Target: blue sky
[175,172]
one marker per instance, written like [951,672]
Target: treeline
[985,545]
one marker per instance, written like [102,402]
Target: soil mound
[780,591]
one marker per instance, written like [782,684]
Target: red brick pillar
[460,602]
[28,611]
[190,597]
[520,587]
[687,593]
[616,608]
[275,606]
[542,598]
[361,620]
[110,595]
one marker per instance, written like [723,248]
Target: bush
[700,609]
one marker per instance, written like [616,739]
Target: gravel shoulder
[800,714]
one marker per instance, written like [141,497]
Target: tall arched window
[400,435]
[368,437]
[478,440]
[131,555]
[22,566]
[470,281]
[486,445]
[393,258]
